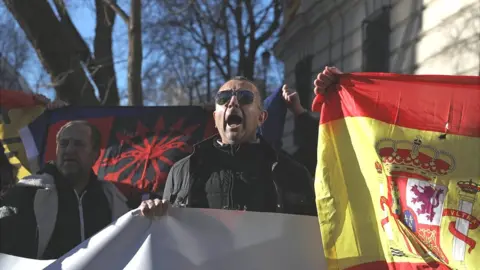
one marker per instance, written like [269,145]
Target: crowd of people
[45,215]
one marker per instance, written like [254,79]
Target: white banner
[194,239]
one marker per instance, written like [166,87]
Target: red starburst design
[143,159]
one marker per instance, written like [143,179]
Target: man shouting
[237,169]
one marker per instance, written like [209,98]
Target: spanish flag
[18,109]
[398,175]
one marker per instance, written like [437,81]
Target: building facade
[399,36]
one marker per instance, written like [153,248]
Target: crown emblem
[414,157]
[469,187]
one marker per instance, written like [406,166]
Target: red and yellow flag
[398,174]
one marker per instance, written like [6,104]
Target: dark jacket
[42,217]
[7,174]
[292,183]
[307,141]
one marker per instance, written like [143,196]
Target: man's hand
[41,98]
[48,103]
[292,100]
[56,104]
[154,208]
[325,79]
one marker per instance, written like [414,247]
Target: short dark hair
[245,79]
[96,136]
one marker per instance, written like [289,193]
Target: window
[376,45]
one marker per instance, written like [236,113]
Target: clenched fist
[325,79]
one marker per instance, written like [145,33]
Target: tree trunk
[209,78]
[55,48]
[103,69]
[135,94]
[248,68]
[190,95]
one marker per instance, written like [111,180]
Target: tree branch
[252,24]
[209,45]
[263,14]
[55,49]
[118,10]
[135,54]
[105,77]
[273,26]
[78,42]
[237,12]
[228,45]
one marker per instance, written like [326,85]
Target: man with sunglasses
[237,169]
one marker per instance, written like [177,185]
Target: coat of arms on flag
[416,198]
[413,193]
[398,172]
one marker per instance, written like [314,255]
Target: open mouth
[234,120]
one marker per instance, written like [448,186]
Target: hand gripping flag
[17,109]
[398,174]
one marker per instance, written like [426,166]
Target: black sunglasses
[244,97]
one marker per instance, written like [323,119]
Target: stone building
[400,36]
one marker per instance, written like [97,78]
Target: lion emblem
[429,199]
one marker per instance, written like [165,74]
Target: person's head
[78,147]
[238,111]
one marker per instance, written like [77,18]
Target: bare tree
[135,48]
[102,66]
[177,76]
[167,91]
[229,33]
[55,42]
[76,73]
[14,54]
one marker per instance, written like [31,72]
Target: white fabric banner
[194,239]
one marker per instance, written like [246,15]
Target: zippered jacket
[293,191]
[42,217]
